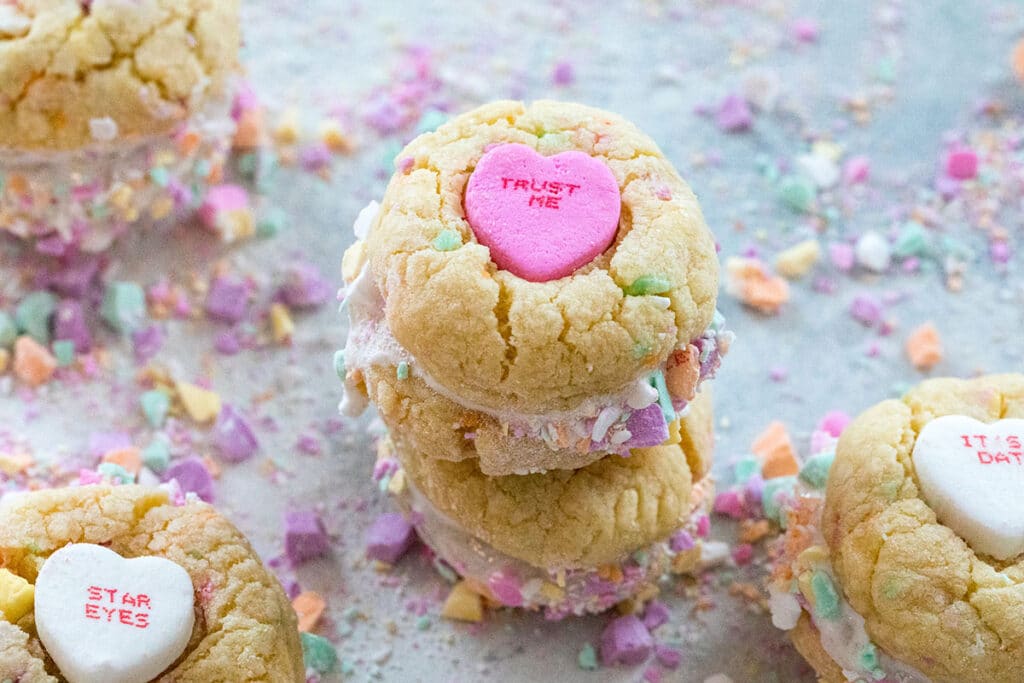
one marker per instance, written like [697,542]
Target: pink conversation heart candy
[542,217]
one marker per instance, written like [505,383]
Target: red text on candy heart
[115,606]
[995,449]
[544,194]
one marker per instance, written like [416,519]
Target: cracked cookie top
[927,598]
[75,73]
[504,343]
[245,627]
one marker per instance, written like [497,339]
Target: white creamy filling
[371,343]
[844,638]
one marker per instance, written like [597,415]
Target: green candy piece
[797,192]
[745,468]
[115,472]
[774,490]
[318,654]
[587,658]
[648,284]
[271,223]
[447,240]
[124,306]
[826,599]
[8,331]
[339,364]
[815,470]
[430,121]
[33,315]
[664,400]
[868,660]
[157,455]
[64,352]
[423,623]
[155,405]
[402,372]
[912,240]
[160,176]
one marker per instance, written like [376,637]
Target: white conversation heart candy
[972,475]
[107,619]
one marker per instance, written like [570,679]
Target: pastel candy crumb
[625,640]
[775,449]
[924,347]
[309,607]
[202,405]
[233,436]
[463,604]
[389,538]
[305,537]
[16,596]
[193,476]
[33,363]
[318,654]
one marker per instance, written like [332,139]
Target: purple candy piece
[233,437]
[305,287]
[625,640]
[304,536]
[681,541]
[69,324]
[73,277]
[389,538]
[192,476]
[866,309]
[227,300]
[647,427]
[507,588]
[734,114]
[146,342]
[655,615]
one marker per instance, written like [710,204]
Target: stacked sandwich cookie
[532,312]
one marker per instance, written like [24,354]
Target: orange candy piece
[309,607]
[33,363]
[1017,60]
[128,458]
[775,449]
[924,347]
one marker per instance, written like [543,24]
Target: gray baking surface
[922,69]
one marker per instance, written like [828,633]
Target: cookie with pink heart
[537,276]
[126,584]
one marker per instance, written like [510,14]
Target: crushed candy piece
[305,537]
[202,405]
[775,449]
[33,363]
[797,261]
[309,607]
[924,347]
[124,306]
[625,640]
[463,604]
[232,436]
[318,654]
[389,538]
[17,596]
[193,476]
[750,281]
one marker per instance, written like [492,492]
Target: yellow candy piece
[353,260]
[463,604]
[17,596]
[202,405]
[281,324]
[797,261]
[674,436]
[552,592]
[5,360]
[396,486]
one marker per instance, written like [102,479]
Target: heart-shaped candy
[542,217]
[972,475]
[106,619]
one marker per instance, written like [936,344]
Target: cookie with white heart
[545,267]
[911,566]
[130,587]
